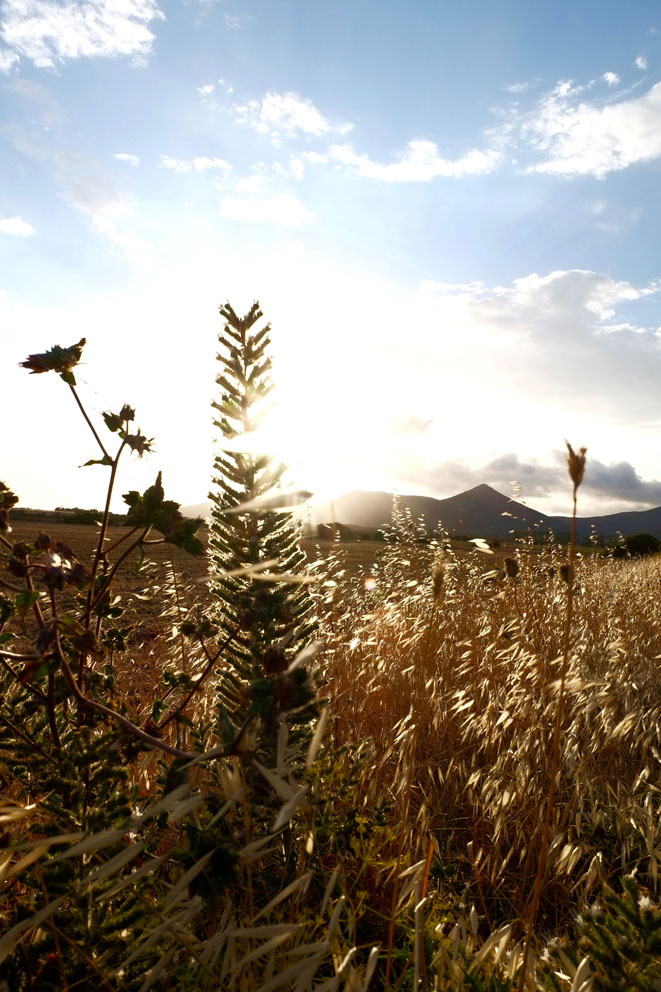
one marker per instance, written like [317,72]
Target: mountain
[478,512]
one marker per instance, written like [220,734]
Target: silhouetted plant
[265,624]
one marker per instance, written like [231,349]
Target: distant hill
[478,512]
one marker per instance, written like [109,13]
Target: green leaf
[25,601]
[106,460]
[153,510]
[157,709]
[7,608]
[113,421]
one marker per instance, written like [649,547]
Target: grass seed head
[575,464]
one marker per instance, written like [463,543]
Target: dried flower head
[57,359]
[575,464]
[139,443]
[274,660]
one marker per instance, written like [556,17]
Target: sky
[449,212]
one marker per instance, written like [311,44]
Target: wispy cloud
[580,137]
[282,209]
[611,78]
[421,162]
[201,163]
[640,62]
[94,192]
[16,226]
[47,32]
[281,115]
[133,160]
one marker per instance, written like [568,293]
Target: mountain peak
[483,489]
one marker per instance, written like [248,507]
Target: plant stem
[50,694]
[99,553]
[88,421]
[120,540]
[113,571]
[555,755]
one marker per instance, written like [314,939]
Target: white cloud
[517,87]
[611,78]
[16,226]
[315,157]
[283,209]
[8,60]
[133,160]
[583,138]
[201,163]
[46,31]
[206,90]
[640,62]
[562,334]
[252,184]
[420,162]
[287,114]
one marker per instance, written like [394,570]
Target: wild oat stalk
[576,469]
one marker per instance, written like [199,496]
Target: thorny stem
[50,695]
[555,756]
[120,540]
[88,421]
[106,511]
[99,551]
[7,544]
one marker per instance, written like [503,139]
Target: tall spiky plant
[262,624]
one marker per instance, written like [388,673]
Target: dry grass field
[440,669]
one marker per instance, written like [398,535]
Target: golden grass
[441,672]
[456,699]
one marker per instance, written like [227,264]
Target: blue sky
[449,212]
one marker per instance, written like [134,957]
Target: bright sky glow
[449,213]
